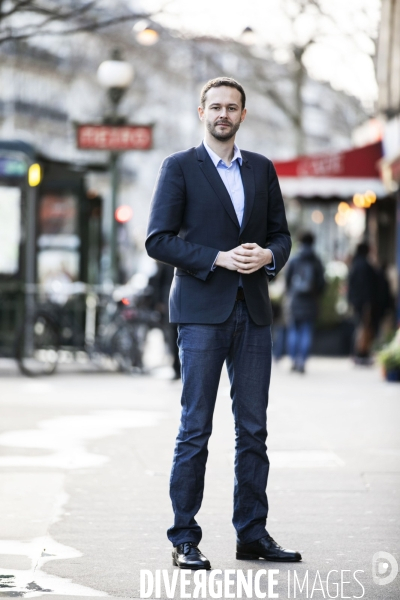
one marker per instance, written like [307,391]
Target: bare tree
[312,24]
[24,19]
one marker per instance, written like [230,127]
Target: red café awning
[338,174]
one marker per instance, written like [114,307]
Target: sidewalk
[84,469]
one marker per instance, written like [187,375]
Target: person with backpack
[305,283]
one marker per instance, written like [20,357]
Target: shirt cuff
[214,266]
[271,267]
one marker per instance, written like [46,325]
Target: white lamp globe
[248,37]
[115,74]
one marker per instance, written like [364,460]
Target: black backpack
[303,278]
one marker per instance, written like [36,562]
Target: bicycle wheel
[126,349]
[37,347]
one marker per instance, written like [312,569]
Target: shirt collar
[217,159]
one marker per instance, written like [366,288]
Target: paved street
[84,468]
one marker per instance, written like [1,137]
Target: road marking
[64,438]
[34,582]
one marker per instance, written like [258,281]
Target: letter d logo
[384,568]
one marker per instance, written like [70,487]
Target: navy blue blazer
[192,218]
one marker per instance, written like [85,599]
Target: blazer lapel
[216,182]
[247,174]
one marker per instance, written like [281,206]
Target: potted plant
[389,358]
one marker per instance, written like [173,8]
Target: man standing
[217,216]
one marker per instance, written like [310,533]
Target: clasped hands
[246,258]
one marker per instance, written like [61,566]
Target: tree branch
[86,17]
[15,9]
[30,31]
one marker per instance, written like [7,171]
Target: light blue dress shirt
[232,179]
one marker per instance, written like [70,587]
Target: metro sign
[114,137]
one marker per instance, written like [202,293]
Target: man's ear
[200,112]
[243,115]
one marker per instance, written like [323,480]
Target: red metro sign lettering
[114,137]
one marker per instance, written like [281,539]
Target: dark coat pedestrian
[363,296]
[362,291]
[385,298]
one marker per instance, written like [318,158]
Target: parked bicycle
[94,325]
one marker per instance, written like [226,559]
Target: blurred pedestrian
[305,283]
[161,284]
[279,330]
[363,296]
[385,302]
[278,299]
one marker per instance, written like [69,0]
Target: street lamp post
[115,75]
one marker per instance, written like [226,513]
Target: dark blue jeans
[246,347]
[299,341]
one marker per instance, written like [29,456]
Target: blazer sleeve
[165,223]
[278,236]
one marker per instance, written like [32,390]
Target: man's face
[222,112]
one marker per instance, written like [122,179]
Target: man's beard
[224,135]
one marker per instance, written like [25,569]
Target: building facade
[388,76]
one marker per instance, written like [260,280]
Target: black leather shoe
[188,556]
[267,549]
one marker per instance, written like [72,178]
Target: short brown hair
[218,82]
